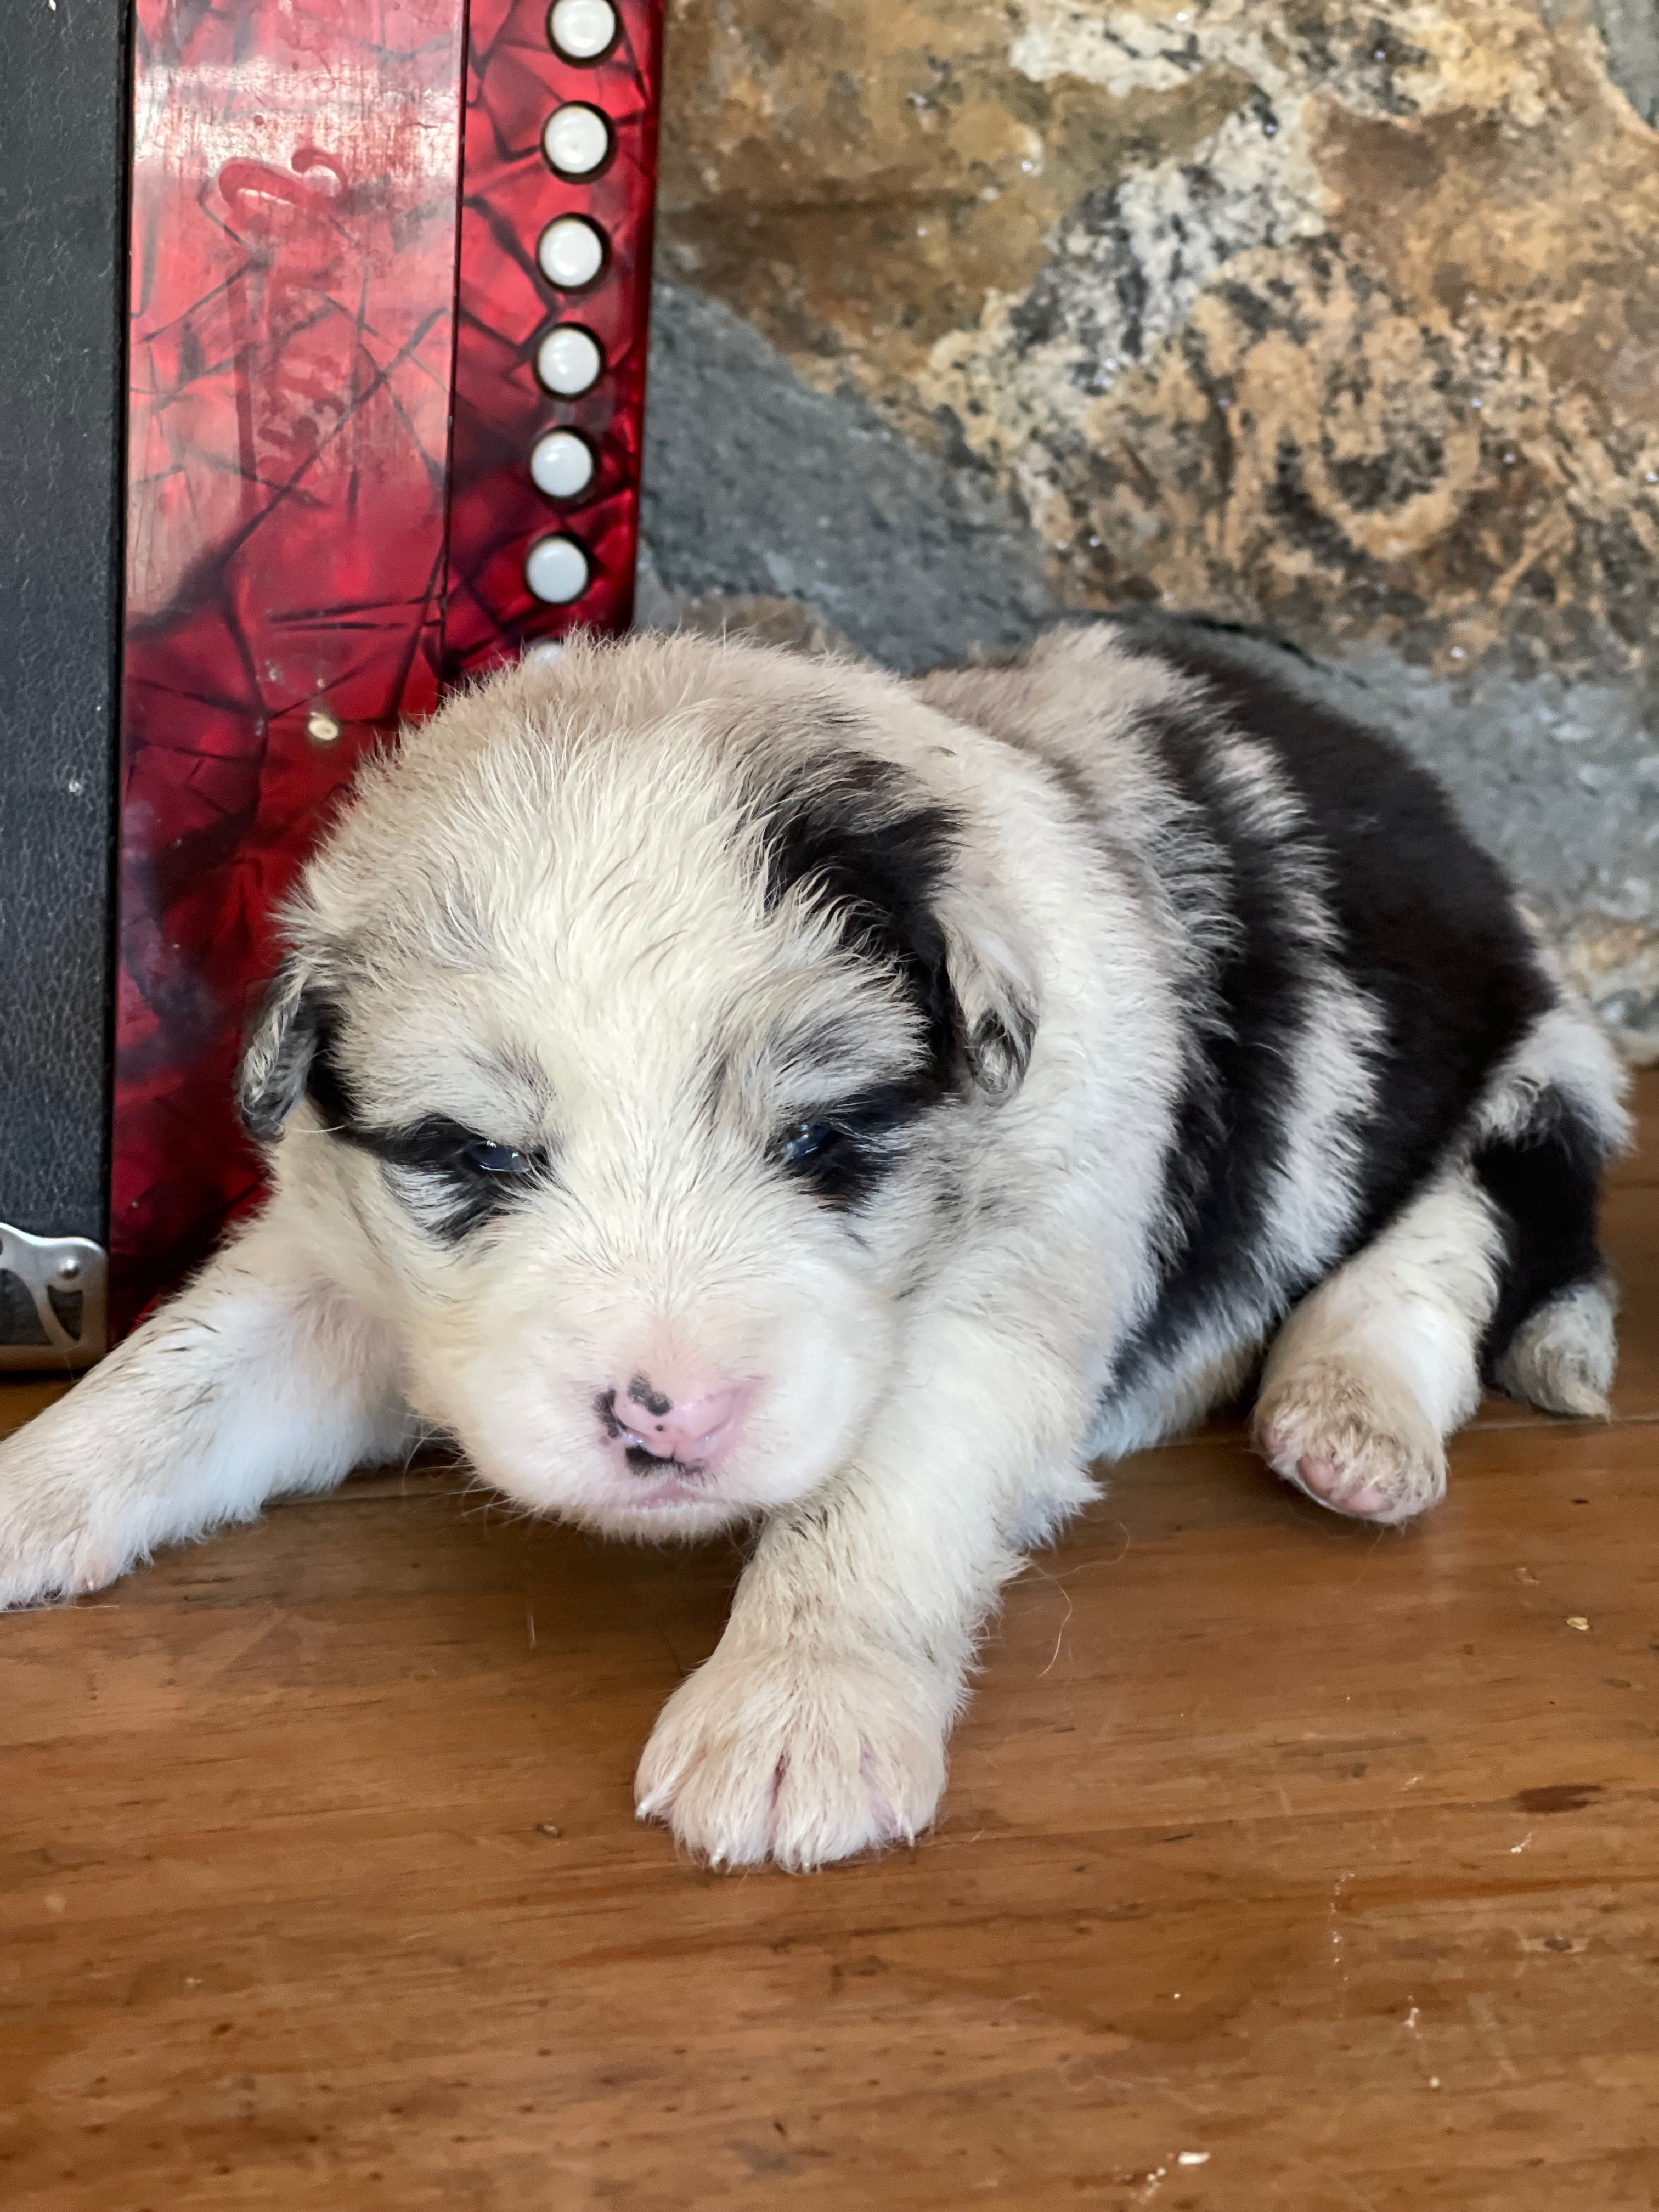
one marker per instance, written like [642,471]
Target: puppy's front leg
[258,1378]
[817,1728]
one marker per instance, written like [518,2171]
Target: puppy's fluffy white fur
[978,1076]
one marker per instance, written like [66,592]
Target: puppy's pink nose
[696,1423]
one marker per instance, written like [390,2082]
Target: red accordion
[388,287]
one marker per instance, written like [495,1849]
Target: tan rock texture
[1342,322]
[1348,321]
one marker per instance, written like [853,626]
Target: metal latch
[53,1291]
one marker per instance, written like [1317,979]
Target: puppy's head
[638,1018]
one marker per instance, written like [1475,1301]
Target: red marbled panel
[515,80]
[293,246]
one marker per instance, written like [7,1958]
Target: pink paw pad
[1323,1479]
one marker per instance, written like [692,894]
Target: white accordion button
[556,569]
[571,252]
[568,361]
[576,139]
[561,465]
[581,29]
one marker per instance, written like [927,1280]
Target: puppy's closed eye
[451,1179]
[804,1141]
[843,1151]
[487,1160]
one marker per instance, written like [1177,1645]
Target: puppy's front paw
[799,1756]
[51,1543]
[1357,1443]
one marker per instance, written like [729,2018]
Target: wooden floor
[1285,1865]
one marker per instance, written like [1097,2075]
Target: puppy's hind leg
[258,1376]
[1550,1132]
[1374,1369]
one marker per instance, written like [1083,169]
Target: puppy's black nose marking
[641,1392]
[605,1405]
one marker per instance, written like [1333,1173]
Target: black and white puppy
[718,1087]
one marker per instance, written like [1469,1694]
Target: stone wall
[1344,325]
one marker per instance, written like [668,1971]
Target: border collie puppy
[721,1088]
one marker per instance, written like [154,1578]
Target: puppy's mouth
[662,1482]
[683,1472]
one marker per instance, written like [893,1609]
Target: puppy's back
[1362,991]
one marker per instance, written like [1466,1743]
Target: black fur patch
[1545,1184]
[1229,1127]
[1423,917]
[861,839]
[1424,924]
[325,1082]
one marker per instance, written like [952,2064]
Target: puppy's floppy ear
[993,980]
[287,1050]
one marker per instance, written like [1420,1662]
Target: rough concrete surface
[1337,324]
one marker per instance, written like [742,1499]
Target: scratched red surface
[515,80]
[293,266]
